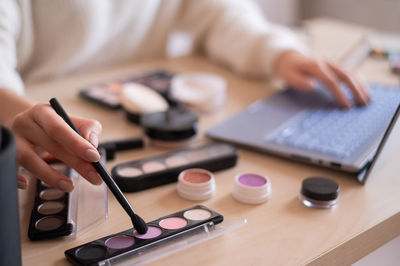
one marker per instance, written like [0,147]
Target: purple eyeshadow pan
[152,232]
[120,242]
[252,180]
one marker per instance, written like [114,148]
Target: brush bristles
[139,224]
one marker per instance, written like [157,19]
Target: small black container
[171,129]
[319,192]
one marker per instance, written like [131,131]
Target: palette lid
[88,204]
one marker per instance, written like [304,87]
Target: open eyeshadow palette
[163,169]
[108,93]
[56,213]
[128,244]
[49,217]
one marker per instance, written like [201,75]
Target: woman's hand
[40,128]
[300,71]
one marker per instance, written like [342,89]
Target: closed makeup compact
[138,100]
[196,184]
[199,91]
[251,188]
[171,129]
[319,192]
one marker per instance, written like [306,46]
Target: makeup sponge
[138,99]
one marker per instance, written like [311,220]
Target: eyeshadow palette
[163,169]
[56,213]
[129,243]
[49,216]
[108,93]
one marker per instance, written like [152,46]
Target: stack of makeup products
[163,169]
[128,244]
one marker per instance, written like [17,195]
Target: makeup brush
[138,223]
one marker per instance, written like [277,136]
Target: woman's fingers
[37,136]
[323,73]
[359,91]
[56,128]
[298,70]
[300,81]
[40,169]
[40,126]
[90,129]
[22,182]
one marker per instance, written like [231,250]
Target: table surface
[280,231]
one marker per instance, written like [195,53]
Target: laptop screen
[388,144]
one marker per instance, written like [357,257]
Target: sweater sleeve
[235,33]
[9,31]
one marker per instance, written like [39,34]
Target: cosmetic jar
[319,192]
[196,184]
[251,188]
[174,128]
[137,100]
[202,92]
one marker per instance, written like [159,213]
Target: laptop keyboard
[336,131]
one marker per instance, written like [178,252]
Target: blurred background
[382,15]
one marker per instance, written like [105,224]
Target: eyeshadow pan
[173,223]
[51,194]
[196,177]
[50,207]
[152,166]
[129,171]
[199,155]
[175,161]
[91,252]
[252,180]
[152,232]
[49,223]
[197,214]
[120,242]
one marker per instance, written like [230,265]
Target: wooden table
[279,232]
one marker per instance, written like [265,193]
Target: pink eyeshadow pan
[173,223]
[152,232]
[196,177]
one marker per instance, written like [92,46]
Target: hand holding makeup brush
[38,128]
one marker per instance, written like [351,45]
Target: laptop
[310,127]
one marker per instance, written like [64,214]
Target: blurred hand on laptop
[300,72]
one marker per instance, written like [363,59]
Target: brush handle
[114,188]
[98,165]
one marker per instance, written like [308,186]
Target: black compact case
[49,216]
[163,169]
[107,250]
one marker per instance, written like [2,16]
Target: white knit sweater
[48,38]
